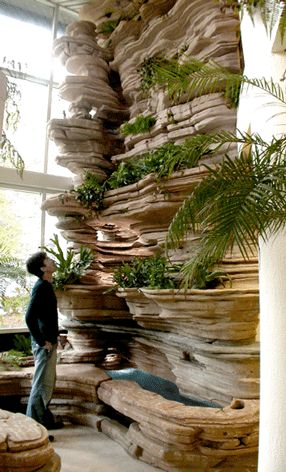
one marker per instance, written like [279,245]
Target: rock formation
[204,341]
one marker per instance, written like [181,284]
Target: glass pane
[20,223]
[51,230]
[20,236]
[29,50]
[30,137]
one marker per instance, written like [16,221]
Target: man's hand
[48,346]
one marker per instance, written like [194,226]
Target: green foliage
[192,78]
[127,173]
[152,272]
[23,344]
[195,78]
[70,267]
[10,269]
[10,359]
[268,11]
[147,71]
[15,305]
[142,124]
[90,192]
[15,357]
[238,201]
[205,278]
[162,162]
[108,26]
[12,106]
[8,152]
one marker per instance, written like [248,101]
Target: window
[27,39]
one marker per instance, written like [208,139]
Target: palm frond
[268,86]
[268,10]
[238,201]
[195,78]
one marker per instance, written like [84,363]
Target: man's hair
[35,262]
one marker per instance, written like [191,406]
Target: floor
[82,449]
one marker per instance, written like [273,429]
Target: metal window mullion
[48,116]
[50,88]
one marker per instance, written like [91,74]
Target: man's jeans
[43,384]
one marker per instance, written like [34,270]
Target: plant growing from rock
[238,201]
[90,192]
[163,161]
[177,79]
[142,124]
[70,266]
[152,272]
[109,26]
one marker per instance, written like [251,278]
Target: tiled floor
[82,449]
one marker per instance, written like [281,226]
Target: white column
[257,114]
[272,432]
[3,96]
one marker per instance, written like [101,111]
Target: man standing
[42,321]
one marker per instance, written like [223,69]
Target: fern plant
[237,202]
[90,192]
[142,124]
[22,344]
[195,78]
[70,266]
[162,162]
[177,77]
[240,199]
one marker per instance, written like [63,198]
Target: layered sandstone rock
[181,438]
[25,446]
[204,341]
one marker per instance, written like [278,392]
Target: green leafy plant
[126,173]
[206,278]
[23,344]
[109,26]
[238,201]
[11,359]
[152,272]
[142,124]
[70,266]
[16,357]
[162,162]
[90,192]
[8,152]
[147,71]
[10,269]
[177,79]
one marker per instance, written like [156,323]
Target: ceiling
[43,9]
[72,5]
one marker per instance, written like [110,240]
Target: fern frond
[267,86]
[238,201]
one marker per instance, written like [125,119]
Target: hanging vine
[8,152]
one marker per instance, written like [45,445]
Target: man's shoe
[51,438]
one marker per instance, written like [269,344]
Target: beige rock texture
[205,341]
[25,446]
[181,438]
